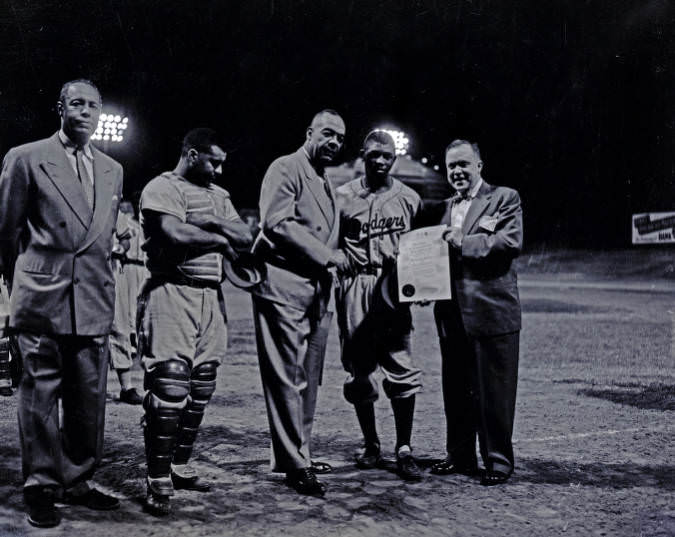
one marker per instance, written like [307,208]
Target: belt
[180,279]
[367,269]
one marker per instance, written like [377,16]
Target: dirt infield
[593,440]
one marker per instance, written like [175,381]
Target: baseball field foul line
[573,436]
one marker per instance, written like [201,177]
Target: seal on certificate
[408,290]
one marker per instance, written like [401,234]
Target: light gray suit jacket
[299,232]
[55,253]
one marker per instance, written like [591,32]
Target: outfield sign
[654,228]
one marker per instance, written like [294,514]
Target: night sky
[572,103]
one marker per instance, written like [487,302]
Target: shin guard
[202,386]
[169,386]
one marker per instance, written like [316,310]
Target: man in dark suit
[58,207]
[479,328]
[299,244]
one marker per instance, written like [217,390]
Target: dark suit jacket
[297,251]
[485,281]
[53,250]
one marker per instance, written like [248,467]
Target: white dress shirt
[461,206]
[70,146]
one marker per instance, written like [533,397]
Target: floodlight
[401,141]
[110,127]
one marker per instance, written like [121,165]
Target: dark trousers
[73,369]
[480,376]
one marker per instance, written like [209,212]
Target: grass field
[593,439]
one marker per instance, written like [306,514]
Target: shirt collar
[476,188]
[69,144]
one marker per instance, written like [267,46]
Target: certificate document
[423,265]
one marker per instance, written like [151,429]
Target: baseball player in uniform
[189,224]
[128,266]
[298,244]
[374,211]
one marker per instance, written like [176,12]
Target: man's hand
[453,236]
[227,250]
[339,261]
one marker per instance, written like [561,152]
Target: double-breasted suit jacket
[55,250]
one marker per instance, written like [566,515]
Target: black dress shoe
[131,397]
[369,458]
[319,467]
[92,499]
[448,466]
[189,483]
[492,477]
[407,467]
[40,510]
[304,481]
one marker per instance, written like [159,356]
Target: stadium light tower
[111,129]
[401,140]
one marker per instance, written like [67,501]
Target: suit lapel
[62,175]
[323,196]
[477,207]
[103,198]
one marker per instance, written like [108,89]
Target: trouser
[291,348]
[74,370]
[480,376]
[372,335]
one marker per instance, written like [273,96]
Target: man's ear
[59,108]
[480,165]
[192,154]
[309,132]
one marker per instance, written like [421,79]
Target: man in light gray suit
[58,207]
[298,243]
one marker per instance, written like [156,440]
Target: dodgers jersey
[371,223]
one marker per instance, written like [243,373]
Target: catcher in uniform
[374,331]
[190,224]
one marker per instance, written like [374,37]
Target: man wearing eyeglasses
[190,224]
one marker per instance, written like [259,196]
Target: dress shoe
[189,483]
[92,499]
[157,500]
[407,467]
[369,458]
[491,478]
[448,466]
[304,481]
[131,397]
[40,510]
[319,467]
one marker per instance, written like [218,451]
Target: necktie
[84,178]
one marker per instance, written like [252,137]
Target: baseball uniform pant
[373,334]
[180,322]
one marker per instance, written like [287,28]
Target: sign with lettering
[654,228]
